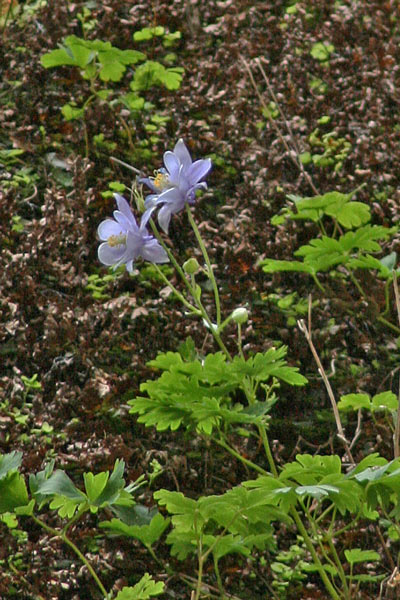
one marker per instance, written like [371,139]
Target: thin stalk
[318,283]
[203,312]
[388,324]
[387,297]
[339,567]
[218,576]
[396,436]
[267,449]
[127,131]
[79,554]
[308,542]
[239,342]
[171,257]
[242,459]
[124,164]
[181,297]
[208,263]
[357,284]
[201,562]
[262,432]
[307,333]
[328,537]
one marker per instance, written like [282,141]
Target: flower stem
[308,542]
[210,271]
[181,297]
[71,544]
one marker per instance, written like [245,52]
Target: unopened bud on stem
[240,315]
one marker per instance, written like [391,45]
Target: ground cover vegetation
[200,311]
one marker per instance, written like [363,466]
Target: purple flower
[175,184]
[124,242]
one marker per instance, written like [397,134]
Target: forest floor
[327,75]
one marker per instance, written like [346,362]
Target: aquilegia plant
[323,501]
[312,495]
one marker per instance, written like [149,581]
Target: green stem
[388,324]
[219,580]
[357,284]
[308,542]
[242,459]
[202,310]
[327,537]
[267,449]
[318,283]
[181,297]
[71,544]
[200,561]
[239,343]
[208,263]
[339,567]
[387,296]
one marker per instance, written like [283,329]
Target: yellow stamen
[116,240]
[161,180]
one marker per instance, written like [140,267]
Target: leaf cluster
[200,394]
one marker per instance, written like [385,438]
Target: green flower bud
[240,315]
[191,266]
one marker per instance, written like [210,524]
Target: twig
[396,434]
[307,333]
[124,164]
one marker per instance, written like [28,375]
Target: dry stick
[307,333]
[396,435]
[295,157]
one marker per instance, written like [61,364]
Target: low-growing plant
[344,255]
[218,396]
[100,64]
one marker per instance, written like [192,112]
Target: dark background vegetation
[90,355]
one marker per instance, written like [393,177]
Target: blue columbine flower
[124,241]
[175,184]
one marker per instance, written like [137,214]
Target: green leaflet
[200,393]
[143,590]
[110,62]
[333,204]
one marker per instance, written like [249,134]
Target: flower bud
[240,315]
[191,266]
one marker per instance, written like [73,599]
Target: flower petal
[107,228]
[164,217]
[182,153]
[198,170]
[110,255]
[172,165]
[146,216]
[153,252]
[124,208]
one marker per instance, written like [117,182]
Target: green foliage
[101,490]
[333,204]
[147,534]
[200,393]
[146,588]
[152,73]
[94,58]
[352,250]
[334,149]
[322,51]
[13,492]
[384,401]
[233,522]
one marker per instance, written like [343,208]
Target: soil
[240,58]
